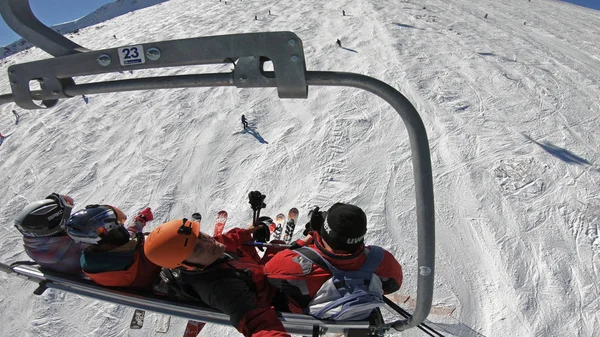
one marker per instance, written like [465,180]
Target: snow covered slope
[510,104]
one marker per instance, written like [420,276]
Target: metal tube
[294,323]
[422,172]
[6,98]
[18,16]
[152,83]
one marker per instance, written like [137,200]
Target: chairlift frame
[248,52]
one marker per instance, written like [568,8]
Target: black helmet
[45,217]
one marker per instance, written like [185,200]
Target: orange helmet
[169,244]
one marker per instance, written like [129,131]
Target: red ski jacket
[300,279]
[248,259]
[236,285]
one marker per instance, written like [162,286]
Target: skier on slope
[244,122]
[17,117]
[45,240]
[115,257]
[225,274]
[338,237]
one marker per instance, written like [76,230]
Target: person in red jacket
[338,236]
[115,257]
[224,273]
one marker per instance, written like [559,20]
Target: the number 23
[131,53]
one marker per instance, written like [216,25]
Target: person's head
[180,243]
[345,228]
[98,225]
[46,217]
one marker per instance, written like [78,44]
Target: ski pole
[267,245]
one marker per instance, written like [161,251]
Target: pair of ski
[290,226]
[192,328]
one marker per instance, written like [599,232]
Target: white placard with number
[131,55]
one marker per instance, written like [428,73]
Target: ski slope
[510,104]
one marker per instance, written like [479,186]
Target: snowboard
[279,221]
[220,223]
[290,225]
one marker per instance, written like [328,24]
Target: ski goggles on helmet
[46,217]
[89,225]
[66,203]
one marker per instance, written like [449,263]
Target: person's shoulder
[285,254]
[387,256]
[281,261]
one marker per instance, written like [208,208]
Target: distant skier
[244,122]
[339,43]
[255,17]
[269,12]
[85,99]
[16,116]
[485,17]
[115,36]
[343,13]
[2,138]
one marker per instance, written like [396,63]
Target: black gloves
[263,233]
[317,219]
[257,200]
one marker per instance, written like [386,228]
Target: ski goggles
[99,221]
[66,203]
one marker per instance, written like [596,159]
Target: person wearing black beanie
[345,227]
[337,236]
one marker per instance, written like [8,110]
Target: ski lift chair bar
[284,49]
[294,323]
[289,76]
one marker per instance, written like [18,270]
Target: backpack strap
[316,258]
[374,259]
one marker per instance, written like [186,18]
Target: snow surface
[510,104]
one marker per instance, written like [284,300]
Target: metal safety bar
[248,52]
[294,323]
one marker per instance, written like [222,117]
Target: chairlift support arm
[248,51]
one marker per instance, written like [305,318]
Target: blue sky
[48,12]
[53,12]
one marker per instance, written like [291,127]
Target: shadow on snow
[562,154]
[250,130]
